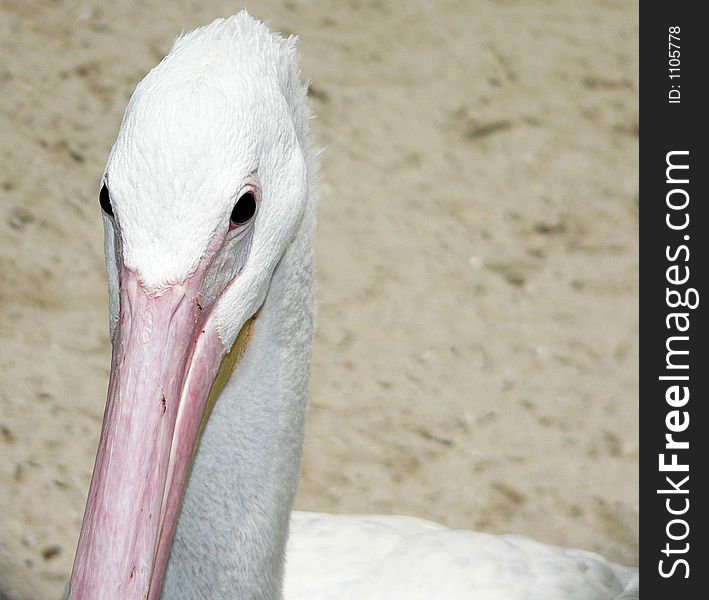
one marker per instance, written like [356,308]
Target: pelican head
[204,190]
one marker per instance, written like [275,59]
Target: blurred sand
[476,356]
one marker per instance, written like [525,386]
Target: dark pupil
[244,209]
[105,201]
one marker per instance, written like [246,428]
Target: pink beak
[166,355]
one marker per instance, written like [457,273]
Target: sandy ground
[476,353]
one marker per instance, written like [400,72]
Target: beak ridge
[165,357]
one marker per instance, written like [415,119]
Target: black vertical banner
[674,430]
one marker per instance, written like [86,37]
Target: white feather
[382,557]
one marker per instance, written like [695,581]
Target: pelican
[209,198]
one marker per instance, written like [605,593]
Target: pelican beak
[167,355]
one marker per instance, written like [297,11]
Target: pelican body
[209,198]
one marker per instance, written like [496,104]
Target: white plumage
[355,557]
[224,114]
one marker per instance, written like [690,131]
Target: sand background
[476,354]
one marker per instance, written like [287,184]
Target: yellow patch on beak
[226,368]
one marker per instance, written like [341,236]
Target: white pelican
[208,200]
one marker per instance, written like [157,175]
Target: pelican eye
[243,211]
[104,199]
